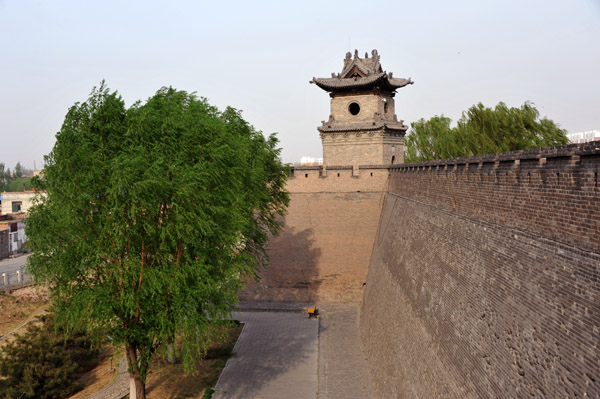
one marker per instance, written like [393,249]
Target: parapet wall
[484,280]
[323,252]
[552,192]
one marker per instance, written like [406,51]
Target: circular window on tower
[354,108]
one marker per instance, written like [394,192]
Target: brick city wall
[323,252]
[484,280]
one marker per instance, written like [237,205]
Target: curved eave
[362,127]
[380,81]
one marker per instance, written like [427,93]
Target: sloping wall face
[485,278]
[323,252]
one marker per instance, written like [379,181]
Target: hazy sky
[259,57]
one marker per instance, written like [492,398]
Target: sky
[259,56]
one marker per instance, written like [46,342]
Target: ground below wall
[456,306]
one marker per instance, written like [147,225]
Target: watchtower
[363,128]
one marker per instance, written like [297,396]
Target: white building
[584,137]
[16,202]
[310,161]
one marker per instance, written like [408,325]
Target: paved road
[274,358]
[13,264]
[286,355]
[343,370]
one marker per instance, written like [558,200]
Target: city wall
[323,252]
[484,280]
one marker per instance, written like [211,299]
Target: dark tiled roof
[381,80]
[330,127]
[361,74]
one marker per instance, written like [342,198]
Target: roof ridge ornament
[361,74]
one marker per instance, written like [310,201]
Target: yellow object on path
[313,311]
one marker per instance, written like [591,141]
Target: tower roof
[361,74]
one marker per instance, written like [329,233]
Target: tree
[3,178]
[42,364]
[154,218]
[18,170]
[482,130]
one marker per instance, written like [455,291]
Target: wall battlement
[313,179]
[554,192]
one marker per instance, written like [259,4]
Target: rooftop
[361,74]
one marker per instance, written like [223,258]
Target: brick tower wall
[323,252]
[485,278]
[351,148]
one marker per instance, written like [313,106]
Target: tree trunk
[137,387]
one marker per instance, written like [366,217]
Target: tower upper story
[362,128]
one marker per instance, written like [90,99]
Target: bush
[42,363]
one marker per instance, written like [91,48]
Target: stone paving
[274,358]
[343,370]
[119,387]
[286,355]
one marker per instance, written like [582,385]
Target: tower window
[354,108]
[385,107]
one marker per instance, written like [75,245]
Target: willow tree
[482,130]
[153,218]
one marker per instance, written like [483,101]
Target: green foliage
[18,170]
[4,177]
[14,182]
[154,217]
[42,362]
[482,130]
[19,184]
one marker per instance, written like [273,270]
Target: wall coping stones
[563,151]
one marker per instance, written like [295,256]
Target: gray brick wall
[485,278]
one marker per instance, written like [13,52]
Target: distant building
[310,161]
[12,234]
[16,202]
[13,211]
[584,137]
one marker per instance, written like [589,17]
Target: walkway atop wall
[285,354]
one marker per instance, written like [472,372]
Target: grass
[165,380]
[20,307]
[168,381]
[100,376]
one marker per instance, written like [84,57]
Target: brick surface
[323,252]
[484,278]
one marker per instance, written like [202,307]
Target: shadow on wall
[292,273]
